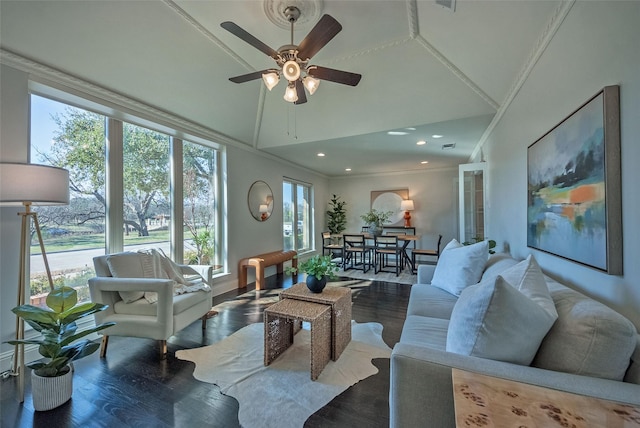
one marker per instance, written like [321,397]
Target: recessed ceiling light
[347,169]
[424,162]
[321,155]
[410,129]
[397,133]
[436,136]
[421,143]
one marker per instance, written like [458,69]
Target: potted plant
[476,239]
[337,222]
[375,219]
[51,380]
[318,269]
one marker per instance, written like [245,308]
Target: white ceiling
[423,66]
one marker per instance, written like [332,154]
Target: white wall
[434,194]
[596,46]
[246,236]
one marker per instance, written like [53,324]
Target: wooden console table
[261,261]
[485,401]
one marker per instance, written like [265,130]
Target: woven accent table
[279,322]
[339,299]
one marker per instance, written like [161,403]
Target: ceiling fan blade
[241,33]
[302,96]
[338,76]
[325,30]
[249,76]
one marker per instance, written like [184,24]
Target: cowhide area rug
[236,365]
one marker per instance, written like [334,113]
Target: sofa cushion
[127,265]
[494,320]
[425,331]
[588,338]
[496,264]
[460,266]
[181,303]
[527,277]
[429,301]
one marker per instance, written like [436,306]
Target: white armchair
[122,281]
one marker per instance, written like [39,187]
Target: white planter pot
[51,392]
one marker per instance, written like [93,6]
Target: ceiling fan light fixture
[311,83]
[291,71]
[270,79]
[290,94]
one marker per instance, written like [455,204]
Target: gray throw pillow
[127,265]
[494,320]
[460,266]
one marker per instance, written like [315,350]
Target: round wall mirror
[260,200]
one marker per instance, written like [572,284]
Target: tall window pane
[145,168]
[73,139]
[297,224]
[200,189]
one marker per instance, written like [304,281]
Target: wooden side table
[485,401]
[279,320]
[339,299]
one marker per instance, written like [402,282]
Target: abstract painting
[574,198]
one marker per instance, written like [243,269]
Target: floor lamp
[26,185]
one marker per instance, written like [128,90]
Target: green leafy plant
[476,239]
[58,328]
[337,222]
[376,217]
[317,266]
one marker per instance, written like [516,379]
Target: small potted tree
[52,379]
[337,222]
[375,220]
[318,269]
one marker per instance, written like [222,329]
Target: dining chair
[354,247]
[426,253]
[384,247]
[328,247]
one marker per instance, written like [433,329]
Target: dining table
[405,239]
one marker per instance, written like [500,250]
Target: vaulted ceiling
[426,70]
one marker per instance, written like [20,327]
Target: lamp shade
[406,205]
[263,208]
[22,183]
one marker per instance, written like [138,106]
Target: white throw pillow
[494,320]
[460,266]
[127,265]
[527,277]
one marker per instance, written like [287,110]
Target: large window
[297,224]
[141,212]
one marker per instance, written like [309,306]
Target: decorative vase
[316,285]
[375,230]
[51,392]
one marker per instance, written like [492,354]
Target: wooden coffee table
[280,325]
[339,299]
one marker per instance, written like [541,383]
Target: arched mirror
[260,200]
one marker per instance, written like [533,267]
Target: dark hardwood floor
[131,387]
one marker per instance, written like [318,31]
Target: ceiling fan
[293,60]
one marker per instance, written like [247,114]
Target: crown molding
[541,45]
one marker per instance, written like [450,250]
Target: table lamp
[406,206]
[26,185]
[264,212]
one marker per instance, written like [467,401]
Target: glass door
[471,195]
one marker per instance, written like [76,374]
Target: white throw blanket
[156,264]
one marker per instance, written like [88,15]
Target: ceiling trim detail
[195,24]
[456,71]
[259,116]
[310,11]
[541,45]
[412,14]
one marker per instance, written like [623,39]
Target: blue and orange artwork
[566,188]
